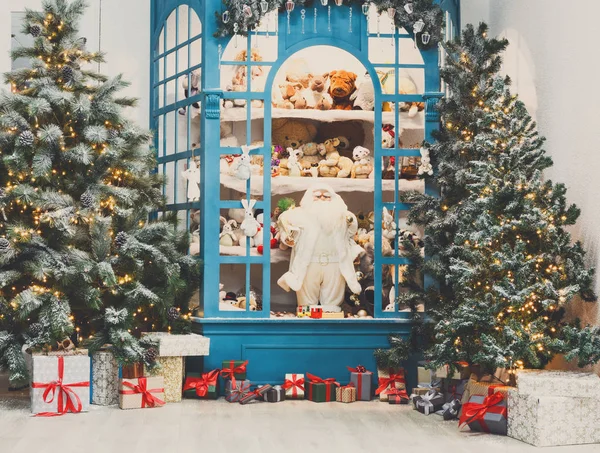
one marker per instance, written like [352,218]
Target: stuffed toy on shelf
[362,168]
[364,96]
[341,87]
[334,165]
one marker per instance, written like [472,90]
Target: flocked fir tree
[77,255]
[497,237]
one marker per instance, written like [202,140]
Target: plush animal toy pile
[239,80]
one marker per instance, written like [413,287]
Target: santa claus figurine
[320,232]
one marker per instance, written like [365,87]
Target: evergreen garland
[427,11]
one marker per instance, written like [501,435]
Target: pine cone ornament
[26,138]
[35,30]
[87,200]
[120,239]
[35,329]
[173,314]
[67,73]
[150,355]
[4,245]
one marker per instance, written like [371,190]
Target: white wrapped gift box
[558,383]
[105,379]
[179,345]
[546,421]
[75,382]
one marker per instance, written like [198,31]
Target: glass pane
[194,228]
[171,67]
[183,24]
[182,56]
[381,50]
[161,69]
[171,88]
[264,48]
[170,133]
[196,53]
[195,26]
[170,183]
[161,41]
[232,279]
[411,81]
[160,136]
[408,53]
[188,189]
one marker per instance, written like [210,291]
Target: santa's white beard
[328,215]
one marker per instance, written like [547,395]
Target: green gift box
[320,390]
[205,386]
[235,368]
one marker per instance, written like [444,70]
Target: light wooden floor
[218,427]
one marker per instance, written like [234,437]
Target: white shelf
[327,116]
[277,255]
[282,185]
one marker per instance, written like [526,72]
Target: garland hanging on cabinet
[423,17]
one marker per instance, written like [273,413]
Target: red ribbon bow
[398,394]
[475,412]
[317,380]
[389,128]
[385,382]
[63,389]
[202,383]
[148,399]
[358,369]
[229,373]
[237,393]
[294,384]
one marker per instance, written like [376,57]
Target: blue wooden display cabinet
[193,126]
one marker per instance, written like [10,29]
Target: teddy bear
[311,156]
[349,133]
[341,86]
[316,95]
[364,96]
[191,87]
[408,86]
[362,168]
[291,133]
[334,165]
[239,80]
[293,162]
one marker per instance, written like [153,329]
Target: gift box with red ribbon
[60,384]
[363,381]
[205,385]
[234,369]
[345,394]
[397,396]
[485,413]
[234,393]
[294,386]
[255,395]
[453,389]
[320,390]
[275,394]
[141,393]
[429,403]
[389,379]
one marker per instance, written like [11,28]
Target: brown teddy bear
[334,165]
[320,99]
[291,133]
[311,156]
[342,85]
[350,133]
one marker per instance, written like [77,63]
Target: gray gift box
[429,403]
[105,379]
[365,389]
[495,422]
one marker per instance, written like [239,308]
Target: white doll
[364,96]
[192,175]
[227,236]
[389,229]
[425,167]
[293,162]
[242,168]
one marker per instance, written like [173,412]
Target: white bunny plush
[227,236]
[389,229]
[293,162]
[250,225]
[425,167]
[242,168]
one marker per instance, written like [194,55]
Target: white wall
[125,38]
[552,59]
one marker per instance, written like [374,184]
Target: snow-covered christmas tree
[497,237]
[78,257]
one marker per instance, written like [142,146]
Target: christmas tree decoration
[264,6]
[63,257]
[350,20]
[329,19]
[289,7]
[339,2]
[173,314]
[26,139]
[150,355]
[324,2]
[302,18]
[391,12]
[247,11]
[87,200]
[120,239]
[35,30]
[409,8]
[315,21]
[4,245]
[425,38]
[67,73]
[497,236]
[225,17]
[366,6]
